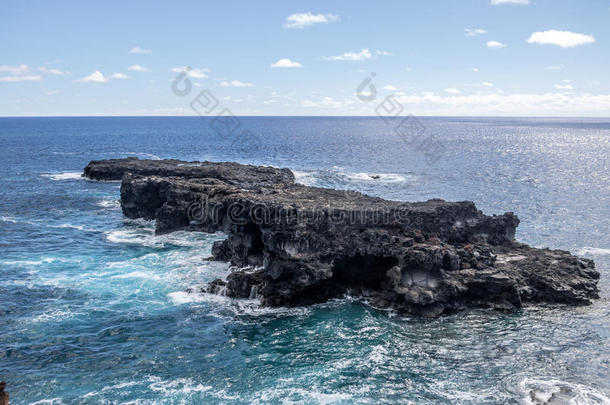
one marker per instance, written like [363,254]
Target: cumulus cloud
[499,2]
[495,44]
[302,20]
[286,63]
[26,78]
[451,90]
[138,68]
[98,77]
[390,87]
[473,32]
[195,73]
[235,83]
[138,49]
[564,39]
[352,56]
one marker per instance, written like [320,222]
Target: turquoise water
[92,308]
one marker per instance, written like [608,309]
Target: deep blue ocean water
[92,308]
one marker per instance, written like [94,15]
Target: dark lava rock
[4,397]
[297,245]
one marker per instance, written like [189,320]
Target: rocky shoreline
[291,244]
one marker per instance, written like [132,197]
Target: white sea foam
[378,354]
[592,251]
[313,178]
[138,154]
[177,386]
[378,177]
[70,226]
[110,388]
[113,203]
[182,297]
[281,395]
[138,274]
[44,260]
[305,178]
[540,391]
[63,176]
[14,220]
[226,307]
[52,401]
[146,237]
[52,316]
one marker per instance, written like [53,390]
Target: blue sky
[453,57]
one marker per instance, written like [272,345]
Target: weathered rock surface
[295,245]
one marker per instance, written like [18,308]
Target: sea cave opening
[362,271]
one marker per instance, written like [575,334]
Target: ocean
[93,308]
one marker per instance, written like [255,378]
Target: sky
[437,57]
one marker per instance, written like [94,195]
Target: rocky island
[291,244]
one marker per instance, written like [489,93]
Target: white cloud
[383,53]
[475,70]
[495,44]
[556,67]
[487,84]
[327,102]
[138,49]
[451,90]
[353,56]
[564,39]
[96,77]
[564,86]
[56,72]
[195,73]
[302,20]
[235,83]
[28,78]
[473,32]
[52,92]
[138,68]
[529,104]
[390,87]
[499,2]
[16,70]
[285,63]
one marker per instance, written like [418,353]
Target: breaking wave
[63,176]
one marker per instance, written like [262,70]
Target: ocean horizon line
[314,116]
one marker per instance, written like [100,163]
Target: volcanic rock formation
[291,244]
